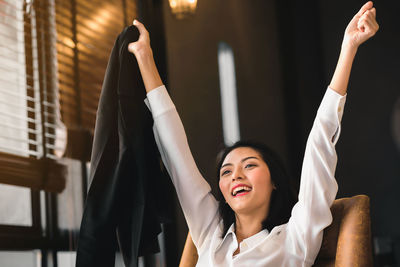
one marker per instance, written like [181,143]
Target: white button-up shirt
[295,243]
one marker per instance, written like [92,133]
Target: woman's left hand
[362,27]
[141,48]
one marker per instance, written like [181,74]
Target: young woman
[254,223]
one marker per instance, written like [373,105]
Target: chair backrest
[346,242]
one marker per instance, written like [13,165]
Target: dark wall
[369,161]
[192,56]
[285,54]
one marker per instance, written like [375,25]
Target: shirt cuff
[158,101]
[332,105]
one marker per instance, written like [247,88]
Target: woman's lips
[242,194]
[240,190]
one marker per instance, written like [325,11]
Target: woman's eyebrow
[243,160]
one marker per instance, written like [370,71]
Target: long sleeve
[318,186]
[194,193]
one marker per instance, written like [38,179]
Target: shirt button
[244,245]
[339,109]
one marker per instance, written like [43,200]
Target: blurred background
[235,70]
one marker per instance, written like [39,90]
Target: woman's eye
[250,165]
[225,172]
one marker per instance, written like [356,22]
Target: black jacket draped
[126,201]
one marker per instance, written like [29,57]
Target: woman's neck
[246,226]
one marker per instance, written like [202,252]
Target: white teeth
[237,189]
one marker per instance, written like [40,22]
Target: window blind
[20,131]
[86,32]
[31,133]
[53,58]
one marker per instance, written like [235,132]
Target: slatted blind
[98,24]
[131,12]
[29,119]
[86,33]
[20,120]
[53,128]
[66,64]
[53,57]
[30,128]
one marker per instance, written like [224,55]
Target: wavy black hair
[283,197]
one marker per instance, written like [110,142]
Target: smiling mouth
[241,194]
[241,191]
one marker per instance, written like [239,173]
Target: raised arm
[194,193]
[318,187]
[144,56]
[362,27]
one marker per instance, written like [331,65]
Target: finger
[368,15]
[371,20]
[374,25]
[373,11]
[132,47]
[362,24]
[365,7]
[140,26]
[364,16]
[370,29]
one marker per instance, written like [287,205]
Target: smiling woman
[265,162]
[253,222]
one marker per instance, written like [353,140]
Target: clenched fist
[141,48]
[362,27]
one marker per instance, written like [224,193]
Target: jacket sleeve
[318,186]
[194,193]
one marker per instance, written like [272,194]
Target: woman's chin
[241,205]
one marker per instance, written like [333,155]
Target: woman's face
[245,181]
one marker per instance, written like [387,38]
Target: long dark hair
[283,196]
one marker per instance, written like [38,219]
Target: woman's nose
[237,175]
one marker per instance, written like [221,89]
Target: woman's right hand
[362,27]
[141,48]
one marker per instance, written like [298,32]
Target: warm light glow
[68,42]
[183,8]
[91,24]
[104,14]
[99,18]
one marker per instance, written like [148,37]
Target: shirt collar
[250,241]
[255,239]
[231,231]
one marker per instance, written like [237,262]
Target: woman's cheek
[223,186]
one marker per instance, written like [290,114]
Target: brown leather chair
[346,242]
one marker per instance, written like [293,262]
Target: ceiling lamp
[183,8]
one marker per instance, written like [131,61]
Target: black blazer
[127,200]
